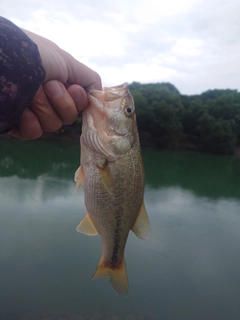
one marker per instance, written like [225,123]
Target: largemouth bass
[112,176]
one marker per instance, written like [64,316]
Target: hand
[62,94]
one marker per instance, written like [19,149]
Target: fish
[112,176]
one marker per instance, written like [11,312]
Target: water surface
[189,269]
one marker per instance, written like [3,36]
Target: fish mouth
[121,89]
[109,93]
[100,98]
[114,88]
[98,103]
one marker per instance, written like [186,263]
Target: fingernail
[54,88]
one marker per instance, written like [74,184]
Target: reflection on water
[188,270]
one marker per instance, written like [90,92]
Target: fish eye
[129,110]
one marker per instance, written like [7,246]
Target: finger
[81,74]
[79,96]
[47,116]
[61,101]
[60,65]
[28,127]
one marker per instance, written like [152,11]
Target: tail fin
[118,276]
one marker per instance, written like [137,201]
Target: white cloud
[193,44]
[145,73]
[151,11]
[81,38]
[187,47]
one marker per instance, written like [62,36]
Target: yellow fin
[106,177]
[142,227]
[78,178]
[86,226]
[118,276]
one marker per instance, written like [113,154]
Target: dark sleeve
[21,73]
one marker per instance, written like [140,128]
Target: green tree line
[208,122]
[166,119]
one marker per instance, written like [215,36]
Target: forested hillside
[210,121]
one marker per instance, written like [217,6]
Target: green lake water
[188,270]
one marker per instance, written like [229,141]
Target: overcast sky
[194,45]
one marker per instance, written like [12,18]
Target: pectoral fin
[78,178]
[142,227]
[106,177]
[87,227]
